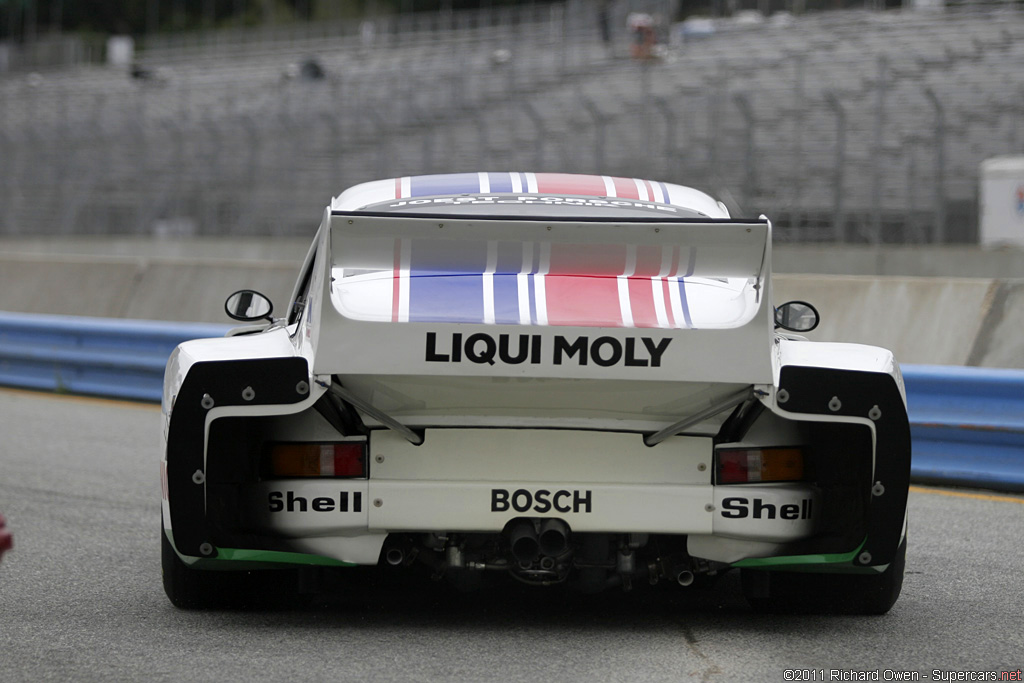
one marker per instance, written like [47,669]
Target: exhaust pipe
[522,539]
[453,555]
[554,537]
[684,577]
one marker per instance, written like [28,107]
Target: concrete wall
[162,248]
[974,318]
[944,321]
[914,260]
[126,287]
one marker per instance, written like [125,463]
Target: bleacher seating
[849,125]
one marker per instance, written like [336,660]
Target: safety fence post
[742,101]
[939,229]
[839,166]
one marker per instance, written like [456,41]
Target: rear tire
[807,593]
[189,588]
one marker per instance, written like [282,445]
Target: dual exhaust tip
[529,541]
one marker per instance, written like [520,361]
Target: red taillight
[316,460]
[743,465]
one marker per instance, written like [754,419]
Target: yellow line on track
[963,494]
[120,403]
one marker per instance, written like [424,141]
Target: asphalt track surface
[81,598]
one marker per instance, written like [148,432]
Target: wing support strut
[727,403]
[391,423]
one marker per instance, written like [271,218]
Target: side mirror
[248,306]
[796,316]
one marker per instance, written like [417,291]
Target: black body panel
[272,381]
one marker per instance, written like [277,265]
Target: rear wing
[663,299]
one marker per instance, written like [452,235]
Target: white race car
[555,378]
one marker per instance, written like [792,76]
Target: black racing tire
[780,592]
[185,587]
[190,589]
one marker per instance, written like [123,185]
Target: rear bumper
[478,481]
[298,509]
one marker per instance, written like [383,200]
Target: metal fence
[842,126]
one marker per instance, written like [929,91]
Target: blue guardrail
[967,424]
[94,356]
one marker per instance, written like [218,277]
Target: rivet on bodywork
[782,396]
[379,458]
[864,558]
[248,394]
[709,508]
[877,489]
[377,502]
[207,401]
[198,477]
[701,467]
[302,387]
[875,413]
[206,549]
[835,404]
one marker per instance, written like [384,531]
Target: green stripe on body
[238,558]
[840,563]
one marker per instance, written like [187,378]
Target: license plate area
[544,456]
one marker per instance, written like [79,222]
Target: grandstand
[848,126]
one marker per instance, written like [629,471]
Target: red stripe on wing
[566,183]
[396,282]
[626,188]
[650,190]
[583,301]
[641,301]
[668,302]
[648,261]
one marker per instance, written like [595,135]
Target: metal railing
[92,356]
[967,425]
